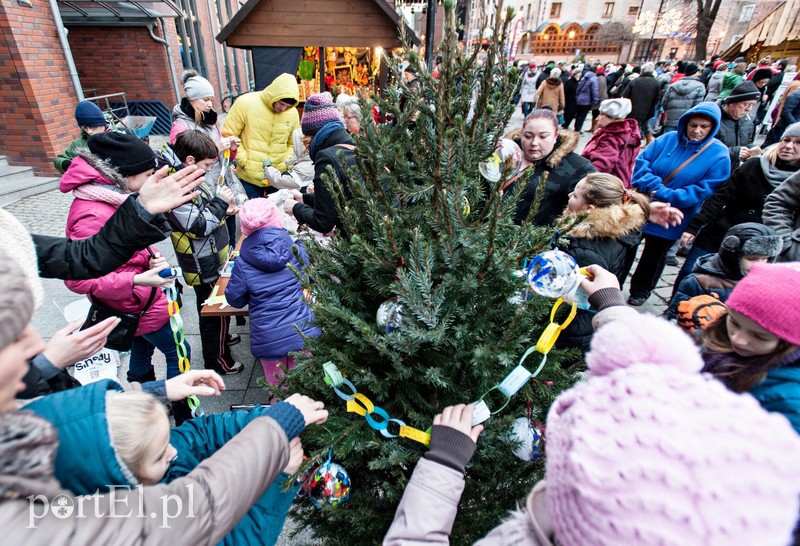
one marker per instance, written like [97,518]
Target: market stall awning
[111,13]
[318,23]
[781,26]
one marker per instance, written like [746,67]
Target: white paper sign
[102,365]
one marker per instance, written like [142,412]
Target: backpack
[700,311]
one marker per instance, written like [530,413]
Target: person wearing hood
[717,274]
[782,205]
[100,179]
[546,151]
[587,97]
[279,316]
[681,96]
[736,128]
[216,488]
[682,168]
[643,93]
[714,85]
[646,450]
[741,199]
[615,144]
[330,144]
[605,221]
[550,93]
[264,121]
[732,78]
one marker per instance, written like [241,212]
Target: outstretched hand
[162,193]
[194,382]
[460,418]
[664,215]
[314,412]
[70,344]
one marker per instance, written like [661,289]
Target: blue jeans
[252,191]
[694,254]
[141,362]
[527,108]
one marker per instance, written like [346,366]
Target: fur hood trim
[102,166]
[566,143]
[614,221]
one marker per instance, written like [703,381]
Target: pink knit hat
[648,451]
[259,213]
[770,296]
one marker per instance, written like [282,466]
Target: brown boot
[594,125]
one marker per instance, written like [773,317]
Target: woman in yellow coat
[264,122]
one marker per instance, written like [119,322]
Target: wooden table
[217,310]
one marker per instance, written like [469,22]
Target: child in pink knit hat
[755,348]
[646,451]
[262,280]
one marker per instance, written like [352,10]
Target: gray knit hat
[16,300]
[792,130]
[196,86]
[749,238]
[16,242]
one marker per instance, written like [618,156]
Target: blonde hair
[132,417]
[604,190]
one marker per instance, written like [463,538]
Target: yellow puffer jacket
[265,134]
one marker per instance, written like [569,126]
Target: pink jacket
[428,509]
[85,219]
[613,149]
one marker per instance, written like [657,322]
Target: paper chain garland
[176,325]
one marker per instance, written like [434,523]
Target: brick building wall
[36,91]
[117,59]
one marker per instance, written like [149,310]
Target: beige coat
[214,497]
[550,92]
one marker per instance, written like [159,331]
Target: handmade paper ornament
[529,437]
[327,485]
[390,316]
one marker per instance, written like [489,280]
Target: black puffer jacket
[603,238]
[318,210]
[565,169]
[644,92]
[739,200]
[735,133]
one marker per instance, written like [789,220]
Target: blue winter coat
[694,183]
[780,390]
[86,461]
[261,279]
[588,90]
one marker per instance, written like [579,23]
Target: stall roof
[781,25]
[114,13]
[318,23]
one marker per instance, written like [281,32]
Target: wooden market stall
[348,35]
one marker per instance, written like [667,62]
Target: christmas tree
[426,232]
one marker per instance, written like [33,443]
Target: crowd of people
[699,420]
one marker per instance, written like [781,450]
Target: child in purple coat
[261,280]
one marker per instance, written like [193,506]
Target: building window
[555,10]
[633,10]
[609,11]
[747,13]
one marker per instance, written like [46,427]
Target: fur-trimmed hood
[615,221]
[88,168]
[566,142]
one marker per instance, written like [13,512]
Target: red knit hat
[770,296]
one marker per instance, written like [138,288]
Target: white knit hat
[17,243]
[616,108]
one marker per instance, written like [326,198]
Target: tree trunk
[706,14]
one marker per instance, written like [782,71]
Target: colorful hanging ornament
[327,485]
[529,437]
[505,160]
[390,316]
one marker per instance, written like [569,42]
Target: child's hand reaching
[226,194]
[598,279]
[295,456]
[157,261]
[199,382]
[313,412]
